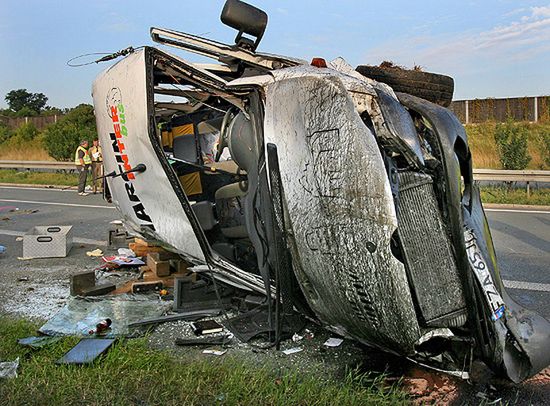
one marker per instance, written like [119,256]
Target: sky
[492,48]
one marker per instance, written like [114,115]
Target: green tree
[20,98]
[26,112]
[511,141]
[62,138]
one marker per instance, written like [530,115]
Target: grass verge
[38,178]
[506,195]
[131,373]
[29,151]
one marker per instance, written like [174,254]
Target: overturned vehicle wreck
[318,187]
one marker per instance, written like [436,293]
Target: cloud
[116,23]
[525,38]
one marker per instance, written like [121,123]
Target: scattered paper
[296,337]
[215,352]
[95,253]
[292,350]
[122,260]
[9,369]
[333,342]
[126,252]
[19,239]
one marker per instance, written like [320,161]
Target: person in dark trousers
[96,155]
[82,161]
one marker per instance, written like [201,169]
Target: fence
[40,122]
[532,109]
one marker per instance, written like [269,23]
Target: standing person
[96,154]
[82,161]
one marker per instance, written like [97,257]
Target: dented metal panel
[126,130]
[341,211]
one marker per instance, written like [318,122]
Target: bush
[62,138]
[24,134]
[511,142]
[5,133]
[544,138]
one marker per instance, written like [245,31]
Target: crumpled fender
[520,346]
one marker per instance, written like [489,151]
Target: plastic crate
[47,242]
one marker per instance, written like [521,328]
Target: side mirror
[246,19]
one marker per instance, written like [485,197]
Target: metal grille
[427,252]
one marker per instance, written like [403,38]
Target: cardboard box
[157,265]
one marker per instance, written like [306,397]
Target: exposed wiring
[107,56]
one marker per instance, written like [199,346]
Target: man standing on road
[82,161]
[96,154]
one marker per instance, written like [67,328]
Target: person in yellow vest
[82,161]
[96,155]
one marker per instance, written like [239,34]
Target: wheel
[429,86]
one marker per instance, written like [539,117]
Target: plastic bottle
[101,327]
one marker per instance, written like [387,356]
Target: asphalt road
[89,215]
[521,237]
[522,241]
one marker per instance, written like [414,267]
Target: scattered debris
[296,337]
[206,327]
[86,351]
[158,266]
[120,260]
[126,252]
[38,342]
[215,352]
[95,253]
[292,350]
[219,340]
[308,334]
[23,279]
[84,284]
[187,316]
[19,239]
[2,249]
[81,314]
[9,369]
[101,327]
[333,342]
[144,287]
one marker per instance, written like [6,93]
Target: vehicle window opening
[200,131]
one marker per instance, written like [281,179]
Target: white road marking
[91,206]
[540,287]
[52,189]
[77,240]
[519,211]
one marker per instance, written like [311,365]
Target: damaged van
[317,186]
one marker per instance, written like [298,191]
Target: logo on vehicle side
[116,111]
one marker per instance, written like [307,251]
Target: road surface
[522,241]
[521,237]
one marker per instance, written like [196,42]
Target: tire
[429,86]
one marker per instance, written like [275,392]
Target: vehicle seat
[204,211]
[230,209]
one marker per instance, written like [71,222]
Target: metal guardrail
[36,165]
[511,175]
[479,174]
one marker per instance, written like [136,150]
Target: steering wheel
[224,136]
